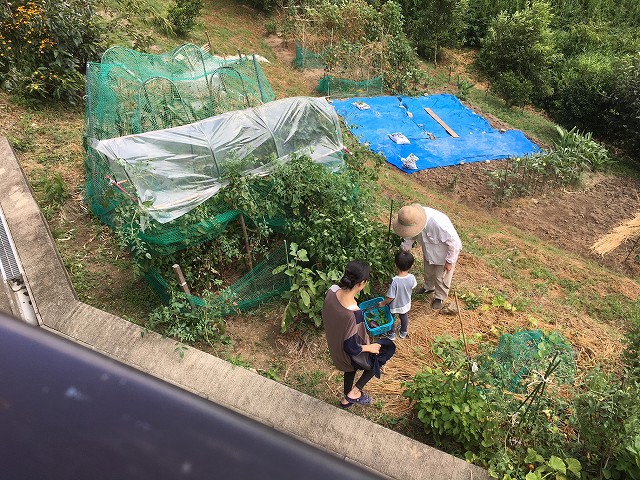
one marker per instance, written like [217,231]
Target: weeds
[311,382]
[238,361]
[183,320]
[52,192]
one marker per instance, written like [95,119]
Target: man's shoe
[436,304]
[422,291]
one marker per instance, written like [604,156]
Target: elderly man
[441,246]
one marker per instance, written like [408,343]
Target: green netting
[209,221]
[255,288]
[341,87]
[130,92]
[307,59]
[522,358]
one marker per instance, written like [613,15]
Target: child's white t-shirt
[400,290]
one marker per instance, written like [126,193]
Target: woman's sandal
[363,399]
[345,406]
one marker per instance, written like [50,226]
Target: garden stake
[117,185]
[389,229]
[246,241]
[464,339]
[183,282]
[474,365]
[540,387]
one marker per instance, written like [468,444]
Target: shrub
[522,43]
[266,5]
[45,46]
[513,89]
[580,95]
[403,66]
[182,15]
[623,104]
[607,419]
[451,409]
[432,24]
[480,13]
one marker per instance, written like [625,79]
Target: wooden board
[444,125]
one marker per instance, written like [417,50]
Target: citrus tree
[45,46]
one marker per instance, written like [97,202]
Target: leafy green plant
[607,417]
[631,352]
[46,46]
[310,382]
[239,361]
[540,468]
[183,320]
[453,183]
[452,409]
[471,300]
[329,222]
[274,372]
[271,26]
[129,221]
[306,295]
[575,153]
[587,154]
[182,15]
[51,190]
[464,87]
[501,300]
[180,349]
[452,350]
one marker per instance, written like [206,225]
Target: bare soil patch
[572,219]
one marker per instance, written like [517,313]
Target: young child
[398,295]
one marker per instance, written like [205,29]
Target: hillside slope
[535,252]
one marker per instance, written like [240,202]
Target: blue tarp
[429,141]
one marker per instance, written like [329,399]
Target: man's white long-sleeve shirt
[439,240]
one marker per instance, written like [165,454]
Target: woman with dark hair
[346,333]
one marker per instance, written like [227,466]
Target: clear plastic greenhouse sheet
[176,169]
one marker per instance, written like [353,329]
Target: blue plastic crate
[371,309]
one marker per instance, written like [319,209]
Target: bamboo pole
[183,283]
[247,247]
[464,338]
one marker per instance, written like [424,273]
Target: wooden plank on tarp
[444,125]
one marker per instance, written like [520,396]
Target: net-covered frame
[130,92]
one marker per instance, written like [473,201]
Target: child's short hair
[404,260]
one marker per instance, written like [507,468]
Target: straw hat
[409,221]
